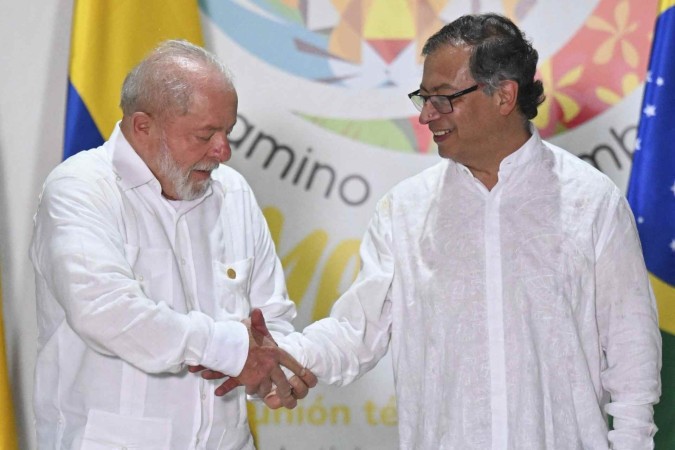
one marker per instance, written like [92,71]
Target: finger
[195,369]
[272,400]
[209,374]
[289,402]
[251,390]
[264,388]
[294,366]
[258,324]
[230,384]
[275,400]
[308,377]
[300,389]
[284,388]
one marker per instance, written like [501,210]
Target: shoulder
[420,183]
[86,167]
[576,173]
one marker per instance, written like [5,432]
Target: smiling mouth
[441,132]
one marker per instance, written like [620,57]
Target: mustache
[205,166]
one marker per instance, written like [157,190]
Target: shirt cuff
[292,344]
[228,349]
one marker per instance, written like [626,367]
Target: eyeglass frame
[449,98]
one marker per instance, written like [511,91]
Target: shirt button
[203,396]
[140,278]
[119,178]
[231,274]
[182,261]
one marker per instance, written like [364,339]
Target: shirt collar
[524,154]
[130,169]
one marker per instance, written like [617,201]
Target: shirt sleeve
[78,250]
[356,335]
[629,332]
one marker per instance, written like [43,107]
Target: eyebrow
[438,87]
[216,128]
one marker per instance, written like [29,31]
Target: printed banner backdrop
[325,129]
[652,196]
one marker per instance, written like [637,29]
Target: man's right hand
[262,374]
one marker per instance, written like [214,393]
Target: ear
[142,125]
[507,96]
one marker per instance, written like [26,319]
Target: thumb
[258,322]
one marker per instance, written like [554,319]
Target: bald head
[164,82]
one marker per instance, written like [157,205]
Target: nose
[221,150]
[428,113]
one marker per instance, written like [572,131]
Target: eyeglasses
[442,103]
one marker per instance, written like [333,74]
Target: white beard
[184,188]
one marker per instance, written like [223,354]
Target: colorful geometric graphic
[375,44]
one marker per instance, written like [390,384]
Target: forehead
[212,105]
[447,66]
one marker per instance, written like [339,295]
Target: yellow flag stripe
[8,436]
[665,4]
[665,301]
[111,36]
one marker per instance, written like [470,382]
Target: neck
[486,169]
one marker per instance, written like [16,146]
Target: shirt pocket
[232,282]
[105,430]
[152,268]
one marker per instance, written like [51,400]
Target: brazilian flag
[651,193]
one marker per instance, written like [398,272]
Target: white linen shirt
[518,317]
[130,289]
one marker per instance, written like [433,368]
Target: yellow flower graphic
[552,89]
[619,33]
[629,83]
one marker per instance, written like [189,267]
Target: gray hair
[164,81]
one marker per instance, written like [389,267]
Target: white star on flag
[672,245]
[638,142]
[659,81]
[649,76]
[641,219]
[650,110]
[672,188]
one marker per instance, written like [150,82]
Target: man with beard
[150,256]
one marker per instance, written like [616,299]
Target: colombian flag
[651,193]
[110,37]
[8,437]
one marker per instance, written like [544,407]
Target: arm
[78,249]
[356,335]
[629,331]
[268,296]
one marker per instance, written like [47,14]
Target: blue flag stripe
[81,132]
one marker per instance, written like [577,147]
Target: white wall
[35,39]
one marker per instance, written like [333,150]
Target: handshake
[262,374]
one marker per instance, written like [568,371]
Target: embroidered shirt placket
[495,318]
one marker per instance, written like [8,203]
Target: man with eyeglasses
[507,280]
[150,254]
